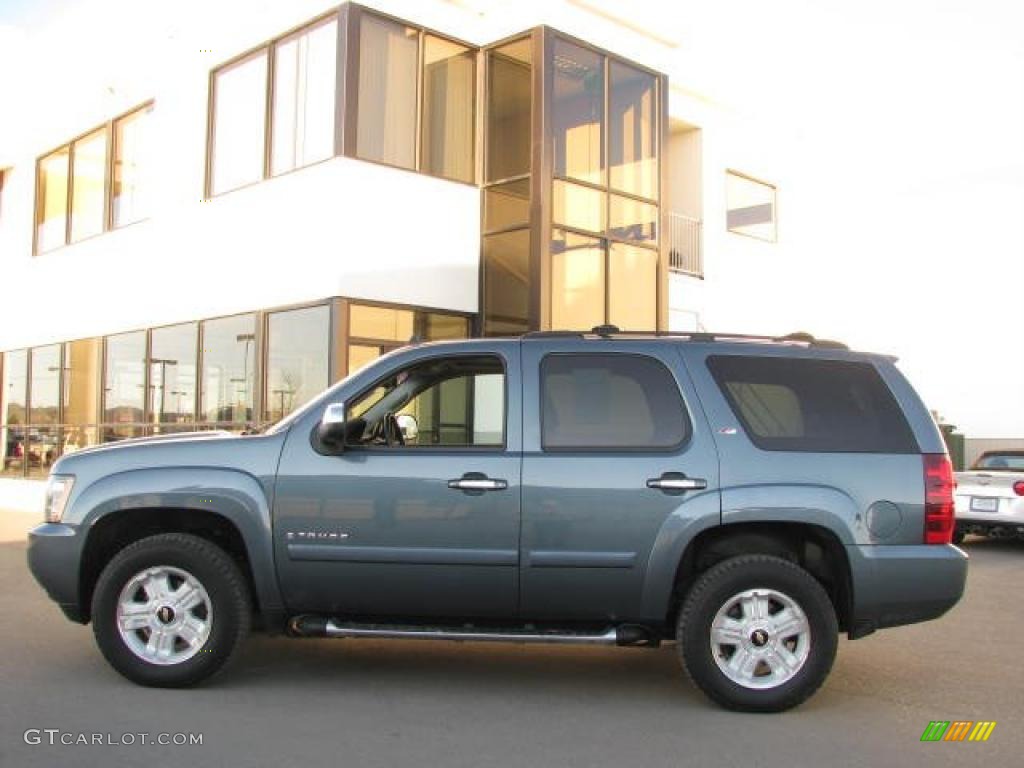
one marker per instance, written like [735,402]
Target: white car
[990,496]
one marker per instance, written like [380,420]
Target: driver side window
[446,402]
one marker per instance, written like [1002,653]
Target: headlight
[58,489]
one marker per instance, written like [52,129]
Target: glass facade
[388,65]
[577,103]
[242,372]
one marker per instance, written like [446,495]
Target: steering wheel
[392,432]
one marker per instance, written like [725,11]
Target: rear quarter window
[800,404]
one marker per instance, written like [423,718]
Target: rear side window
[610,401]
[793,404]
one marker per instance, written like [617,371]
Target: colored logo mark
[958,730]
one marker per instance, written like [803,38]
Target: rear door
[613,446]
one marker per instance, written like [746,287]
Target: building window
[81,397]
[750,206]
[509,105]
[388,64]
[449,105]
[52,201]
[506,279]
[124,386]
[130,187]
[305,79]
[14,412]
[172,376]
[76,188]
[577,281]
[632,127]
[298,354]
[239,123]
[42,445]
[88,176]
[229,371]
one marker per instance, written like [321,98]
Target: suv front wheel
[757,633]
[170,610]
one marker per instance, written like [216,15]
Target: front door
[419,516]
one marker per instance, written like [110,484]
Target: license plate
[984,504]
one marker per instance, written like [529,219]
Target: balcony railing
[686,245]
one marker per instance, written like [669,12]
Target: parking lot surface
[412,703]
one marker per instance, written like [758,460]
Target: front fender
[237,496]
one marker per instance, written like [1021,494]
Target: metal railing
[686,245]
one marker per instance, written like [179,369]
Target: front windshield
[1006,462]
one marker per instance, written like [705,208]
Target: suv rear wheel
[757,633]
[170,610]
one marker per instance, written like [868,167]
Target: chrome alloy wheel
[760,638]
[164,615]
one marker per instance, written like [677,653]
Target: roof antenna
[604,331]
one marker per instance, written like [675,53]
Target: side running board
[320,626]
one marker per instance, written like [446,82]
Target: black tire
[713,589]
[958,535]
[218,574]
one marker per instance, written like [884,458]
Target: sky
[905,211]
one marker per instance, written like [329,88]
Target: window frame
[108,182]
[679,447]
[414,449]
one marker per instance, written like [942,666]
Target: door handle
[678,482]
[476,482]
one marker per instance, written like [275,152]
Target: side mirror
[331,431]
[409,426]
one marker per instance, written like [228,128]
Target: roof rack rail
[611,331]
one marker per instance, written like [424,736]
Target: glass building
[561,141]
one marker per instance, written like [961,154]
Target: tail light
[938,499]
[1018,487]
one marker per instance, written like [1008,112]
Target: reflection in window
[449,95]
[507,205]
[81,393]
[298,349]
[634,220]
[509,88]
[506,258]
[375,331]
[124,383]
[229,370]
[388,65]
[632,140]
[42,446]
[577,281]
[750,206]
[632,287]
[52,204]
[305,67]
[172,375]
[577,206]
[13,412]
[89,170]
[239,120]
[578,112]
[130,187]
